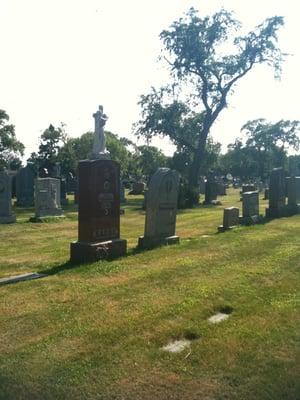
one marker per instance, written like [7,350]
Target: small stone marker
[6,214]
[250,208]
[177,346]
[47,199]
[277,190]
[230,219]
[161,208]
[24,277]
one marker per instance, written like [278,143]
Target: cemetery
[130,274]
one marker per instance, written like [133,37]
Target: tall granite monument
[25,186]
[99,203]
[161,207]
[6,214]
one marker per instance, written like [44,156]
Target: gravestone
[98,212]
[211,190]
[277,189]
[230,219]
[221,189]
[122,193]
[6,214]
[161,208]
[138,188]
[247,188]
[25,186]
[293,191]
[266,195]
[250,208]
[47,199]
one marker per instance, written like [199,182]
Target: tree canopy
[10,148]
[206,59]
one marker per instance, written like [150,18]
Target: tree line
[206,58]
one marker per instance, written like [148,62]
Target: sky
[61,59]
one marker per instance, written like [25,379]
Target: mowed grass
[95,331]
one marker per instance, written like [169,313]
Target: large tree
[10,148]
[206,59]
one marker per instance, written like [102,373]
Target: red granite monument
[98,210]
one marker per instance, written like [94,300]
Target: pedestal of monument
[98,212]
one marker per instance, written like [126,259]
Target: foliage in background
[11,149]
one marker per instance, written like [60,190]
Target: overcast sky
[60,59]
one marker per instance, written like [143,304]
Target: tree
[50,141]
[270,142]
[203,76]
[10,148]
[149,159]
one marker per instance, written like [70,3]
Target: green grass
[96,331]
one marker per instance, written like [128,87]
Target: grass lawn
[96,331]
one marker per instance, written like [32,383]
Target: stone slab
[177,346]
[82,252]
[146,242]
[24,277]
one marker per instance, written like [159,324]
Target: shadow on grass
[56,269]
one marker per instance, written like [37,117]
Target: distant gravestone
[230,219]
[293,191]
[47,198]
[250,208]
[161,208]
[211,190]
[98,212]
[138,188]
[25,187]
[277,190]
[6,214]
[221,189]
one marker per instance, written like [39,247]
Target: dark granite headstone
[98,212]
[293,191]
[25,187]
[211,190]
[277,191]
[6,214]
[230,219]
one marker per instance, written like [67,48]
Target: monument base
[276,212]
[46,218]
[223,228]
[150,242]
[9,219]
[82,252]
[252,220]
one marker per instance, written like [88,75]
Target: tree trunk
[196,165]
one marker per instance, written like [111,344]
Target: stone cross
[99,149]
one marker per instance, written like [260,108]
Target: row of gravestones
[280,187]
[99,211]
[46,198]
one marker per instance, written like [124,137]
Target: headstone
[6,214]
[266,195]
[138,188]
[122,193]
[25,187]
[47,198]
[250,208]
[277,188]
[221,189]
[211,190]
[293,191]
[99,212]
[230,219]
[161,208]
[247,188]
